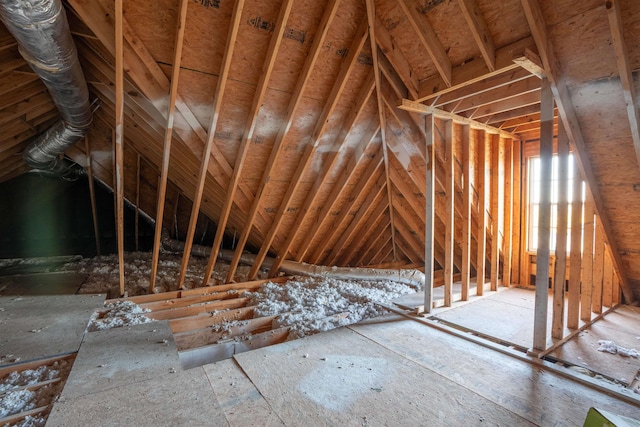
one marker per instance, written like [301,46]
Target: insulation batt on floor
[311,305]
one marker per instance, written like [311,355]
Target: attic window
[534,201]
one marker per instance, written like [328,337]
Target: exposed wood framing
[507,250]
[137,214]
[496,171]
[575,265]
[258,98]
[416,107]
[587,262]
[450,212]
[294,103]
[119,139]
[166,154]
[215,114]
[429,253]
[480,31]
[429,40]
[566,110]
[467,198]
[92,194]
[371,17]
[544,218]
[481,188]
[560,267]
[321,125]
[624,68]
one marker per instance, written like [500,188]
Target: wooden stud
[467,198]
[507,250]
[215,114]
[296,97]
[258,98]
[321,126]
[598,269]
[166,153]
[607,283]
[586,293]
[450,216]
[560,266]
[544,218]
[92,195]
[624,68]
[481,233]
[429,40]
[119,140]
[566,110]
[575,263]
[496,172]
[480,31]
[429,252]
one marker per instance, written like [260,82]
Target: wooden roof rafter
[261,89]
[566,110]
[215,115]
[429,41]
[168,136]
[371,17]
[321,126]
[480,31]
[294,103]
[624,69]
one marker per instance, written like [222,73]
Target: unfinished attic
[308,212]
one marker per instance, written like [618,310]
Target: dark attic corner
[319,212]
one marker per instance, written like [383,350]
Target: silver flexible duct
[44,40]
[411,277]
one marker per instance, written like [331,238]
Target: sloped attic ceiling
[320,179]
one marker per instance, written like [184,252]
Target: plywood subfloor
[32,327]
[131,376]
[621,326]
[416,300]
[42,284]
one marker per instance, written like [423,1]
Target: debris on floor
[119,313]
[611,347]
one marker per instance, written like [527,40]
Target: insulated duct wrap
[45,42]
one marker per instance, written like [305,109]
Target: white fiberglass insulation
[310,305]
[613,348]
[119,313]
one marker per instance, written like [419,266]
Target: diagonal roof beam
[480,31]
[371,16]
[329,164]
[215,115]
[321,125]
[258,98]
[296,97]
[624,68]
[339,187]
[429,41]
[397,59]
[164,168]
[371,172]
[538,26]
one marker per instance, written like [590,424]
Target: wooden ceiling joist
[319,130]
[168,136]
[429,41]
[474,71]
[294,103]
[566,110]
[396,58]
[624,69]
[258,99]
[215,115]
